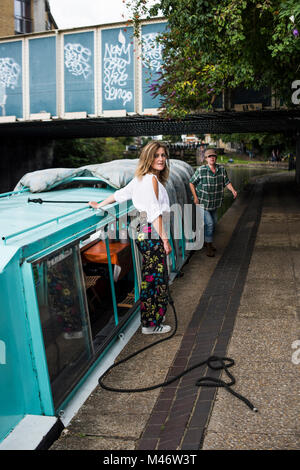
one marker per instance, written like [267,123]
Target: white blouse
[143,196]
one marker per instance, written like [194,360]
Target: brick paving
[180,415]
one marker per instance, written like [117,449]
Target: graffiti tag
[116,60]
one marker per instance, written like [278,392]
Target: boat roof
[24,224]
[32,227]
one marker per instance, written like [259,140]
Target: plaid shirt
[210,186]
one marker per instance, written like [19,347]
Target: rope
[44,201]
[202,382]
[213,362]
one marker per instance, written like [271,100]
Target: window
[64,320]
[23,22]
[85,295]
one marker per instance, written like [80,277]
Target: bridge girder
[223,122]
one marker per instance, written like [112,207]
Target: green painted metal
[136,285]
[36,341]
[111,278]
[173,259]
[18,379]
[11,193]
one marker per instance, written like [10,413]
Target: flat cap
[210,153]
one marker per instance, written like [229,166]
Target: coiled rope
[213,362]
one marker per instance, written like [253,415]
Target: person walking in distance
[207,186]
[150,198]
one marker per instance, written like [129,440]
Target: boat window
[111,285]
[86,294]
[64,319]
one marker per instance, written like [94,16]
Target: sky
[75,13]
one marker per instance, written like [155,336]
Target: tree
[261,143]
[211,46]
[80,152]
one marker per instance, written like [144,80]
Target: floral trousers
[154,289]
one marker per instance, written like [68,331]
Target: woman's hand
[167,247]
[94,204]
[109,200]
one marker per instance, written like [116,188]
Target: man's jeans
[210,220]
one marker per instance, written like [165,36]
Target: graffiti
[9,74]
[152,52]
[116,60]
[76,60]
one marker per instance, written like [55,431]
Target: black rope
[213,362]
[202,382]
[44,201]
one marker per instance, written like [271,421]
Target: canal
[240,176]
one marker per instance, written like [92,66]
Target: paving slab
[248,441]
[266,326]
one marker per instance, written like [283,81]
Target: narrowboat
[69,289]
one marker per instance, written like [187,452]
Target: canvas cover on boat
[117,174]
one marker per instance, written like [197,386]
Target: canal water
[240,177]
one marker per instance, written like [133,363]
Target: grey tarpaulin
[117,174]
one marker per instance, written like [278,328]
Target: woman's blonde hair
[147,157]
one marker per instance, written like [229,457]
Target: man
[207,186]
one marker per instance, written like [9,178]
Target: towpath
[245,304]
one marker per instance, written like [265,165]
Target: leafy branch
[213,46]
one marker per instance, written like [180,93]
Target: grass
[238,159]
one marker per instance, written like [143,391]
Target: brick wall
[7,23]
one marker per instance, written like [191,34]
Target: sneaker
[152,330]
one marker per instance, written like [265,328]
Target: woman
[150,198]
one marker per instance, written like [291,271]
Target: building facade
[25,16]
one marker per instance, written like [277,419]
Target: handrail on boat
[55,219]
[11,193]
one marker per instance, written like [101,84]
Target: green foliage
[261,143]
[224,159]
[172,138]
[73,153]
[115,148]
[212,46]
